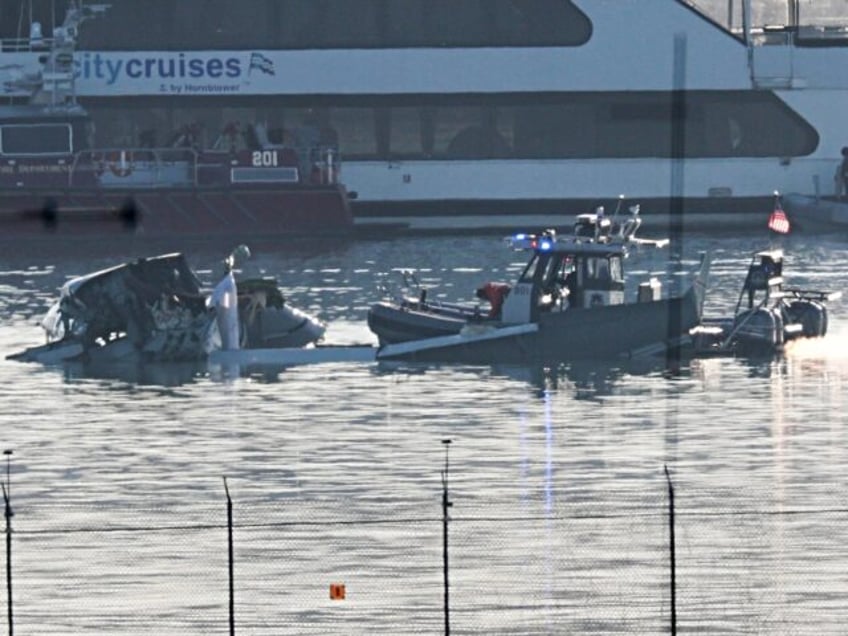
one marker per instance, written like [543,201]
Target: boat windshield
[603,269]
[529,270]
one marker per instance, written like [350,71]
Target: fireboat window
[35,139]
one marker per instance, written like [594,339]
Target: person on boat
[224,299]
[842,175]
[569,288]
[494,293]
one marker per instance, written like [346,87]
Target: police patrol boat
[569,302]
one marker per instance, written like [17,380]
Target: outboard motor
[811,315]
[758,330]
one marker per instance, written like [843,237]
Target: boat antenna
[618,206]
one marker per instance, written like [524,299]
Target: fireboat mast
[53,85]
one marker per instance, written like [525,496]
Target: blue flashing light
[520,237]
[545,245]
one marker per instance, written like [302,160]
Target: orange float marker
[337,591]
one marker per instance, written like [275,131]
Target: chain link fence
[532,567]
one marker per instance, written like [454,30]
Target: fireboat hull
[226,211]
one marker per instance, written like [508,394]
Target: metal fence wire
[353,567]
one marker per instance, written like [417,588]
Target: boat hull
[168,212]
[614,331]
[393,323]
[812,213]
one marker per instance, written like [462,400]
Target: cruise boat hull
[817,213]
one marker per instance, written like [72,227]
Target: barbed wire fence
[325,566]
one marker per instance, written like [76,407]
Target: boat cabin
[564,275]
[765,274]
[41,132]
[38,144]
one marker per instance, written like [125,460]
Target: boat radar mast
[53,84]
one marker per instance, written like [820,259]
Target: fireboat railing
[324,163]
[25,45]
[135,166]
[147,167]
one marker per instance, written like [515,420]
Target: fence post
[230,559]
[7,499]
[672,552]
[445,505]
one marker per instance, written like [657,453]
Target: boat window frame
[532,264]
[560,125]
[330,25]
[68,149]
[592,276]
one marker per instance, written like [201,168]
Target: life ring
[120,163]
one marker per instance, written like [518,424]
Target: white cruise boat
[447,108]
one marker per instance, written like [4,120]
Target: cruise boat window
[471,132]
[407,138]
[639,124]
[497,126]
[328,24]
[356,131]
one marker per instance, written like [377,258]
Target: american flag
[778,221]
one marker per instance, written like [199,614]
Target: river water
[559,517]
